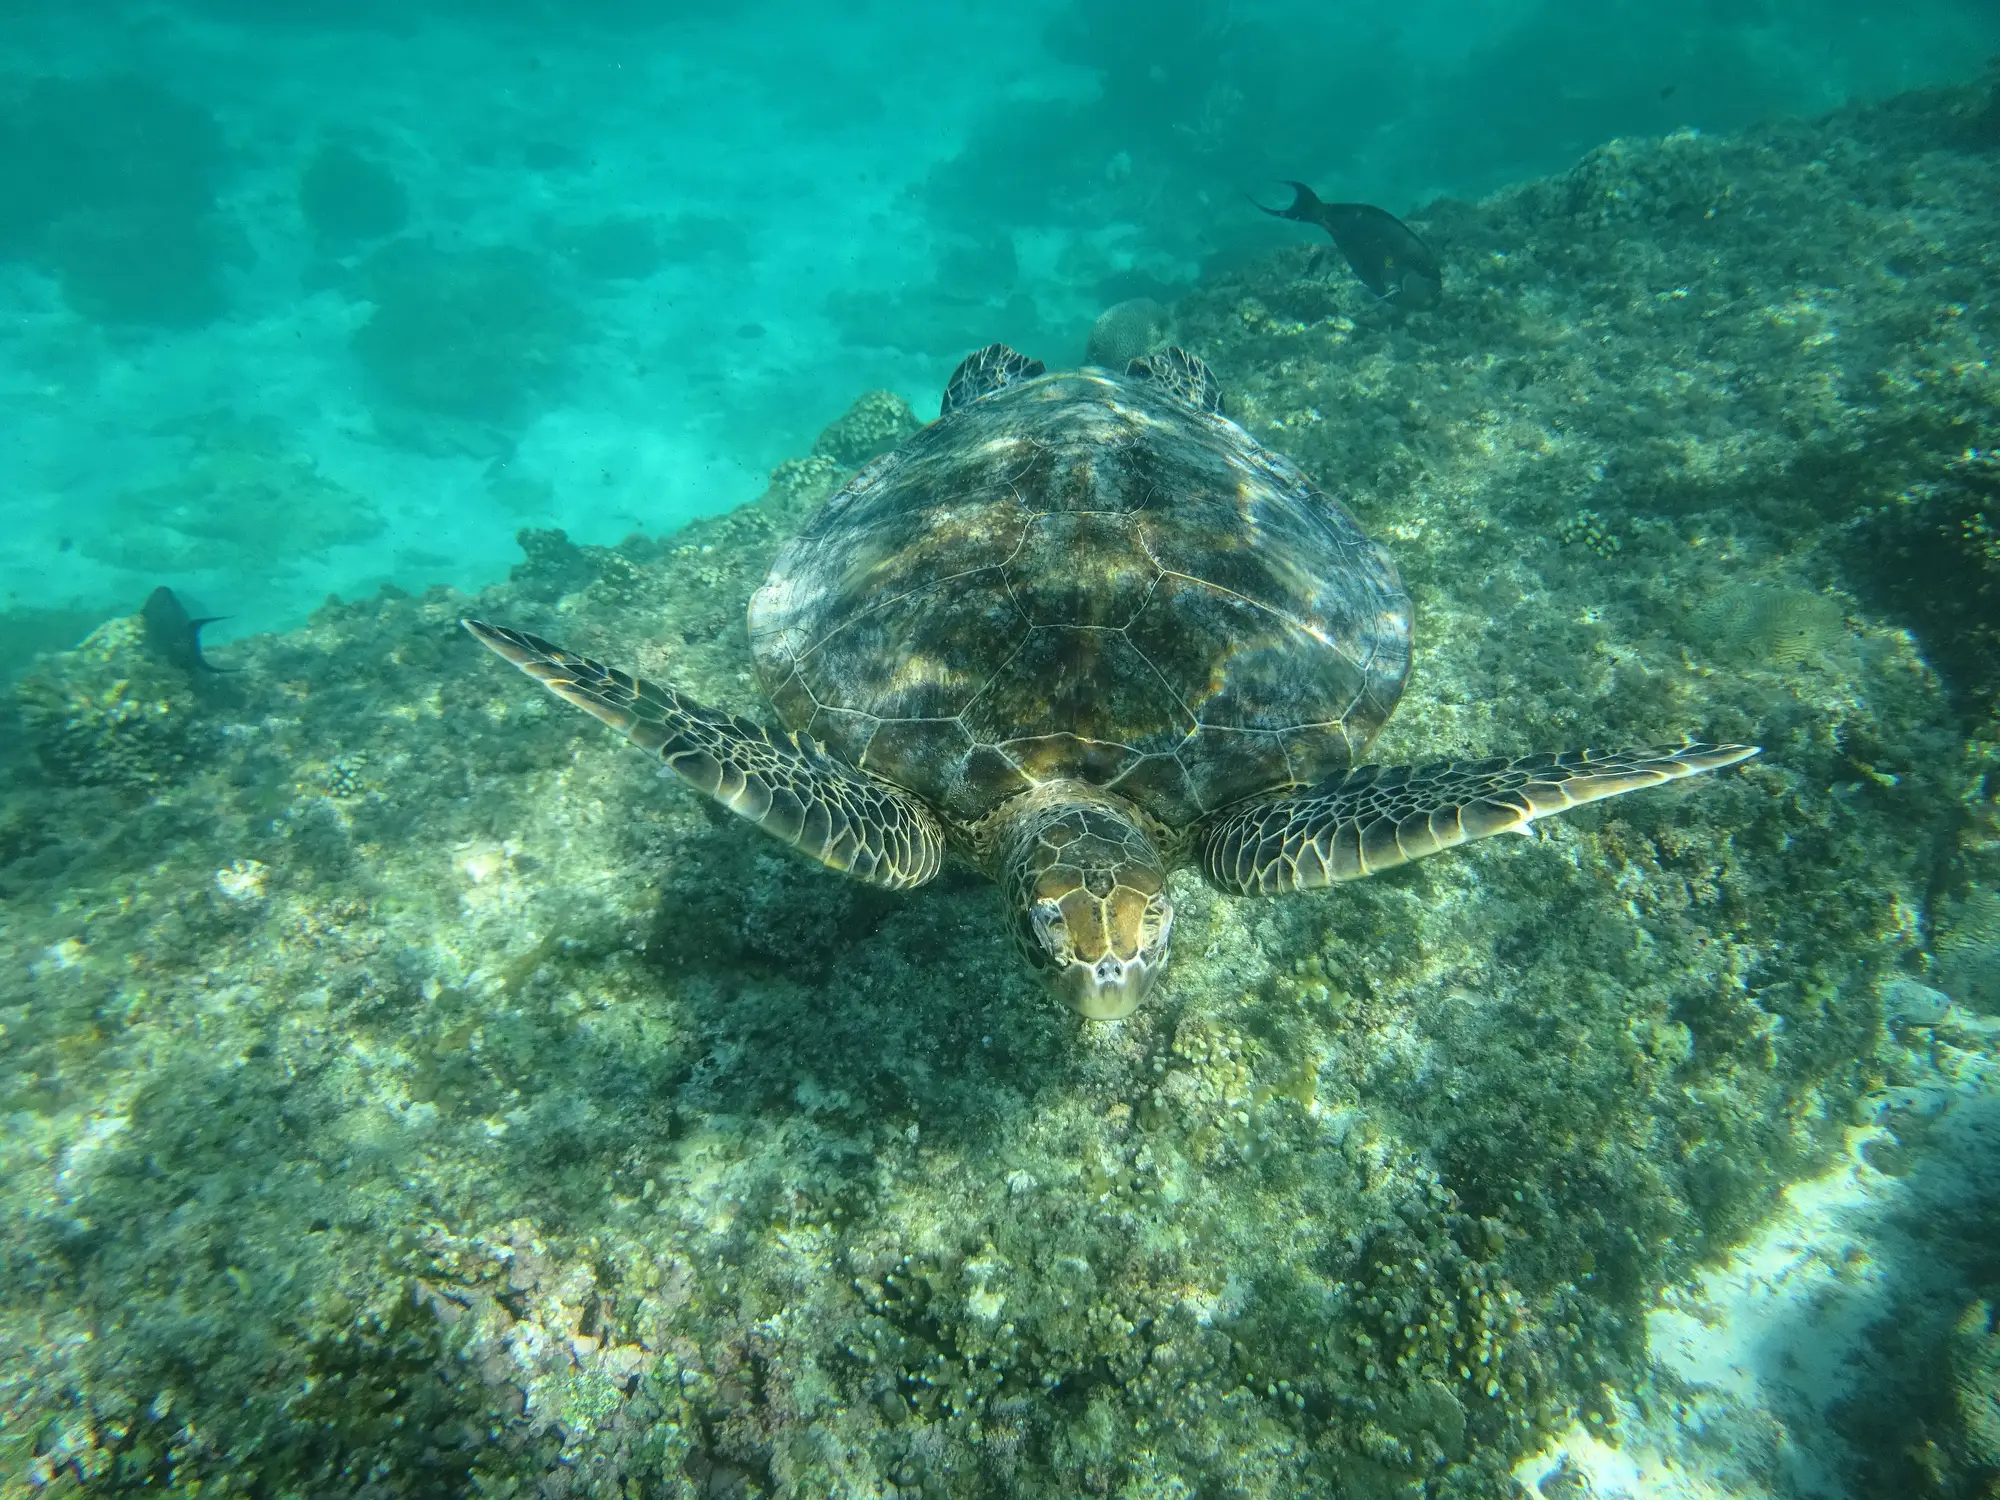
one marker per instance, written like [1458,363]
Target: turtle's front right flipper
[785,784]
[1378,817]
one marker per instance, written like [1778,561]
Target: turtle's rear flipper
[785,784]
[1377,817]
[1184,376]
[984,372]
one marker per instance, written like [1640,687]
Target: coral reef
[418,1089]
[245,498]
[870,427]
[110,712]
[349,199]
[1127,330]
[109,185]
[480,335]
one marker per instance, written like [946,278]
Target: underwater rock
[348,198]
[870,427]
[1907,1002]
[109,184]
[1127,331]
[111,712]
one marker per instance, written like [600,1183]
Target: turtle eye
[1157,924]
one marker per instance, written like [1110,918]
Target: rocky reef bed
[407,1093]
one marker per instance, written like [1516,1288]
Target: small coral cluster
[876,423]
[111,712]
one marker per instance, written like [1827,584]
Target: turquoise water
[601,266]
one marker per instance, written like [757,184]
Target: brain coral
[1127,330]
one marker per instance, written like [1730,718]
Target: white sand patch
[1751,1359]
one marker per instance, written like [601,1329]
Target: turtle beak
[1109,989]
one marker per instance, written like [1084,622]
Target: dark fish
[1384,251]
[172,636]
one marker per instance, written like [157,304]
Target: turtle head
[1089,905]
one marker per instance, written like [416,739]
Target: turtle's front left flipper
[1377,817]
[785,784]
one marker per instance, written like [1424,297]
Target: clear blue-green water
[712,230]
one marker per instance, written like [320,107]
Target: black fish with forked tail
[1385,253]
[175,637]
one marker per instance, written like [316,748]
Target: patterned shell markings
[1078,576]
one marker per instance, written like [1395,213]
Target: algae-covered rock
[870,427]
[111,712]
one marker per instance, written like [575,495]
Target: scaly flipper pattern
[785,784]
[985,371]
[1186,377]
[1377,817]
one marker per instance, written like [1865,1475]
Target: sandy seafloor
[407,1093]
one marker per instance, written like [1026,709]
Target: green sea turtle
[1081,630]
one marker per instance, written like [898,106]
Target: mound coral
[111,712]
[871,426]
[1127,330]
